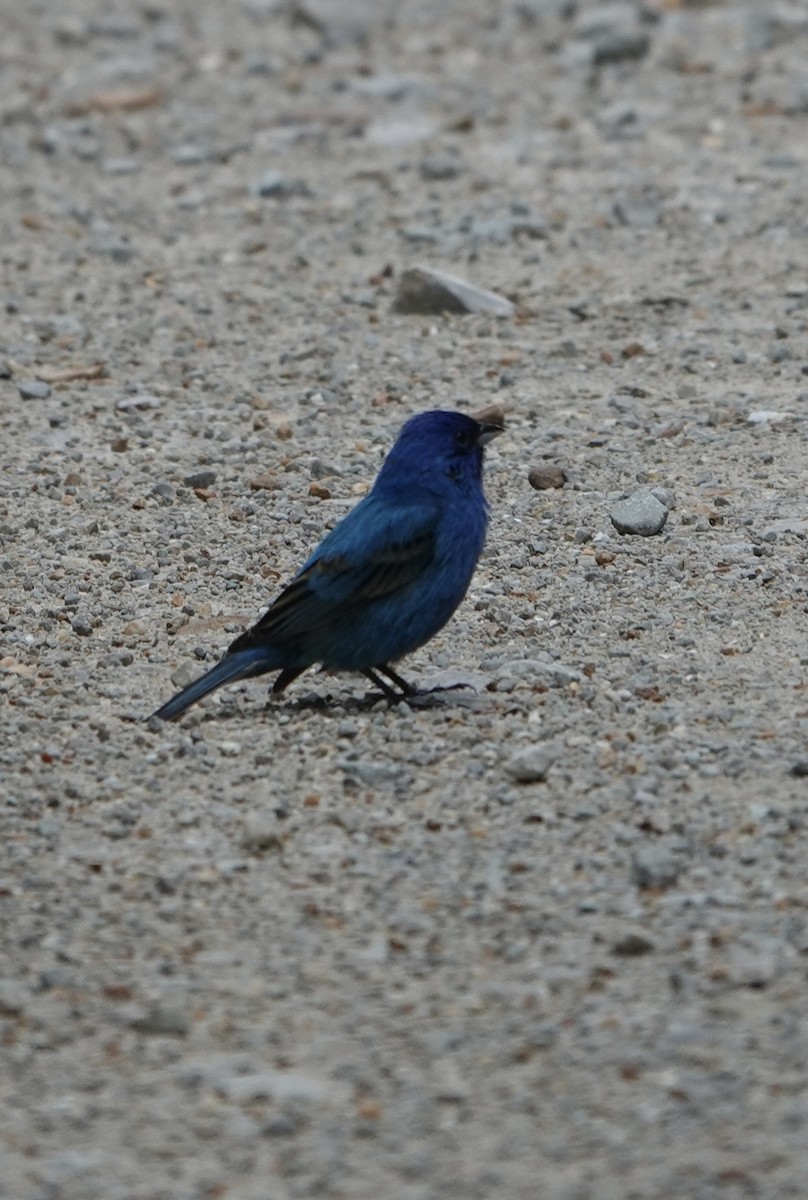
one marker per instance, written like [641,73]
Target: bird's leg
[380,683]
[287,675]
[407,688]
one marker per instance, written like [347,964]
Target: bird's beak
[491,422]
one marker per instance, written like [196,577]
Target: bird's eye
[464,438]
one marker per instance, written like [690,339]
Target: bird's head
[437,445]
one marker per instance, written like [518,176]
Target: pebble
[200,479]
[34,389]
[397,132]
[767,416]
[277,186]
[641,514]
[388,87]
[640,211]
[437,167]
[12,997]
[665,496]
[162,1019]
[119,166]
[184,674]
[281,1087]
[620,46]
[261,833]
[632,945]
[190,155]
[425,291]
[531,764]
[546,476]
[654,867]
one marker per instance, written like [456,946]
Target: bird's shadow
[420,700]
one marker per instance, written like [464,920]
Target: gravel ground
[545,939]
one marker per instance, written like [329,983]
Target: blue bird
[386,578]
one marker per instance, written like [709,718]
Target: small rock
[163,1019]
[164,491]
[140,400]
[266,482]
[546,476]
[189,155]
[436,167]
[766,416]
[276,186]
[620,46]
[81,625]
[641,514]
[114,25]
[654,867]
[34,389]
[424,291]
[665,496]
[184,674]
[771,25]
[119,166]
[632,945]
[800,768]
[117,250]
[260,834]
[12,998]
[401,131]
[535,672]
[282,1087]
[531,764]
[640,211]
[200,479]
[387,87]
[343,22]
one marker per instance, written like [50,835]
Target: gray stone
[632,944]
[277,186]
[200,479]
[261,833]
[12,997]
[436,167]
[654,867]
[424,291]
[34,389]
[531,764]
[188,154]
[281,1087]
[186,673]
[546,476]
[162,1020]
[641,514]
[619,46]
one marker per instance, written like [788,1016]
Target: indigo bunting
[386,578]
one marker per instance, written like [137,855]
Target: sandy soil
[545,939]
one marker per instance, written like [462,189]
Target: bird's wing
[375,551]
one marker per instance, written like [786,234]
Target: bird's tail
[240,665]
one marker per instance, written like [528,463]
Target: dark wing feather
[334,585]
